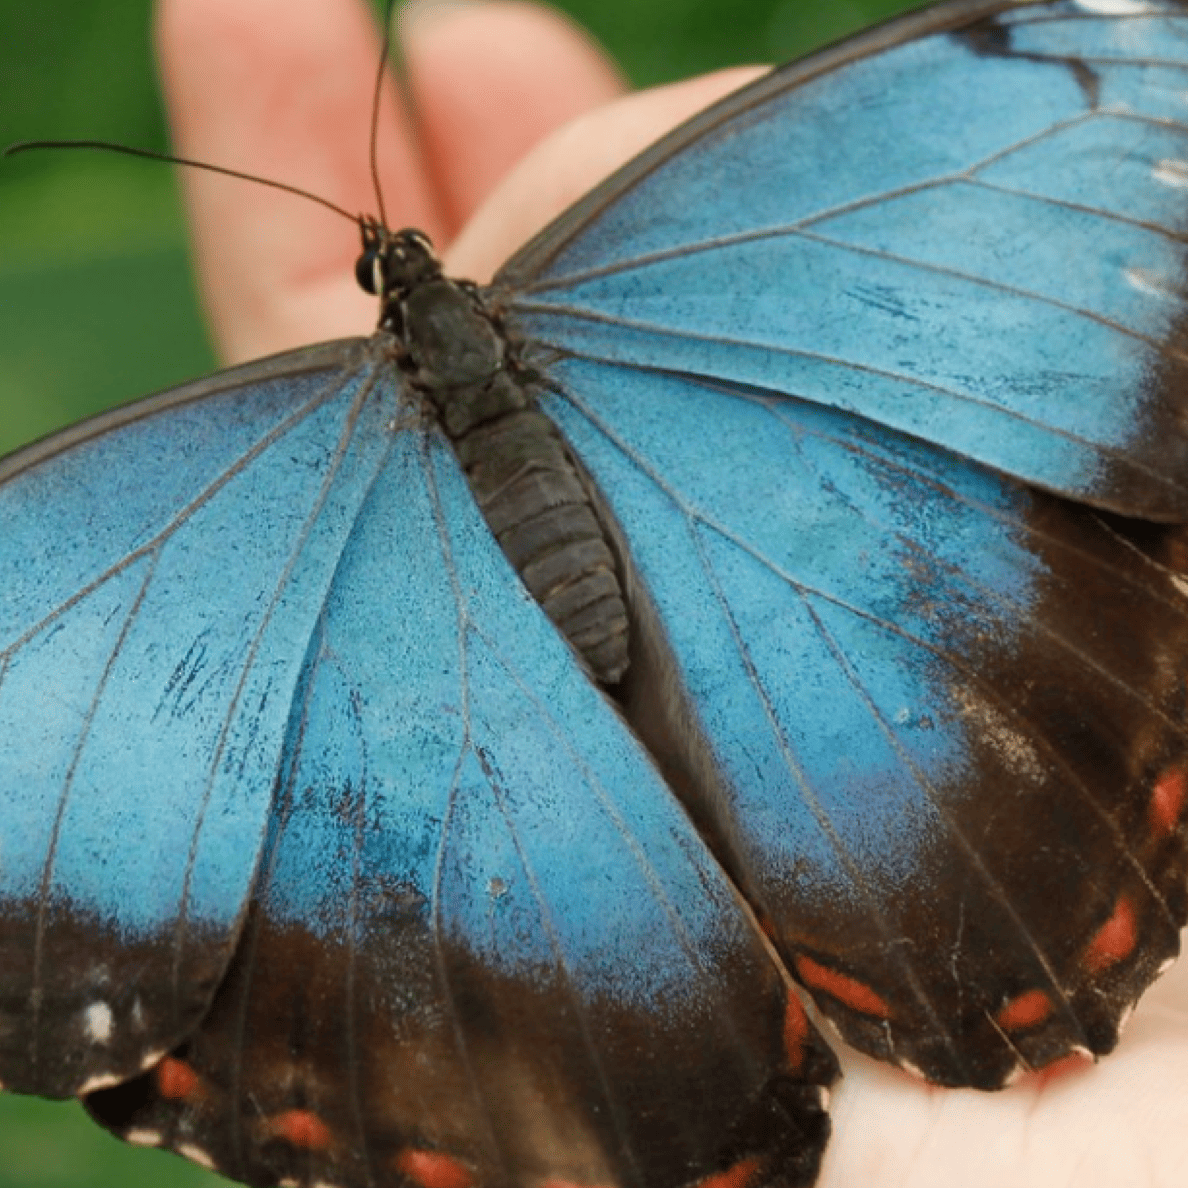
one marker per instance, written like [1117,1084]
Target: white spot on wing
[98,1020]
[102,1081]
[1116,7]
[1171,172]
[1181,584]
[1152,284]
[195,1155]
[912,1069]
[1171,960]
[151,1059]
[1001,733]
[143,1138]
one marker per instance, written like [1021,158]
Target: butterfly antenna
[106,146]
[373,150]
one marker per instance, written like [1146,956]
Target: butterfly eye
[369,272]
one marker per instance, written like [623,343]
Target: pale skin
[519,114]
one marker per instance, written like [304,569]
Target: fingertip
[490,80]
[282,89]
[573,160]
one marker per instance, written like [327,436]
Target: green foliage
[53,1144]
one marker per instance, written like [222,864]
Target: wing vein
[1014,415]
[340,454]
[43,896]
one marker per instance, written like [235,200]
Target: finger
[1121,1121]
[282,88]
[491,80]
[572,160]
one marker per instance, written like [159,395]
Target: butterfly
[346,837]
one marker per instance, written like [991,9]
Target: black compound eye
[365,271]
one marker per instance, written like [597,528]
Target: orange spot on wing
[1167,801]
[176,1080]
[1028,1009]
[432,1169]
[796,1030]
[302,1128]
[738,1176]
[858,996]
[1115,939]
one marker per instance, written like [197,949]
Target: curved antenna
[106,146]
[373,149]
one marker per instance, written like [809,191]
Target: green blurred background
[96,304]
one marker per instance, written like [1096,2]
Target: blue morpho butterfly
[842,434]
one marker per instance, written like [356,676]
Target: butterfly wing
[484,945]
[163,568]
[936,705]
[875,748]
[966,225]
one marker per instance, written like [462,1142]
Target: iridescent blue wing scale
[134,559]
[889,228]
[506,929]
[936,703]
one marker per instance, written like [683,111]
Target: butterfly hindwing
[937,703]
[483,936]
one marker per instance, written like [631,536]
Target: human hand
[283,89]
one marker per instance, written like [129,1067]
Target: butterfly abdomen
[523,476]
[533,498]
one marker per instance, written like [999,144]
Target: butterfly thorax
[536,498]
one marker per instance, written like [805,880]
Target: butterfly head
[393,263]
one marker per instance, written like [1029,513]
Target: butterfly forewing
[893,238]
[150,653]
